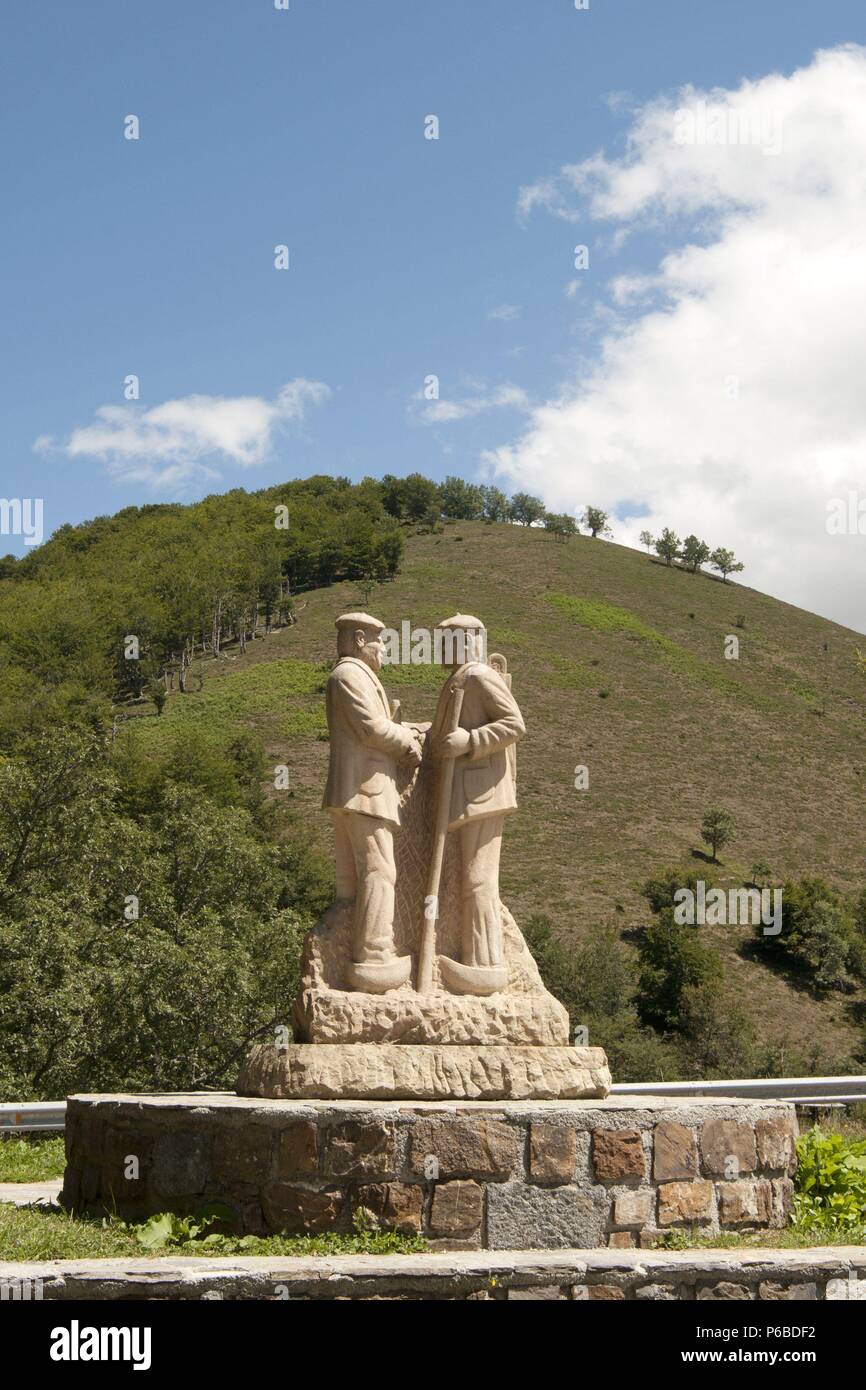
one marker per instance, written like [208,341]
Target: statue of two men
[367,743]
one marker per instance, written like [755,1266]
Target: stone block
[300,1210]
[457,1208]
[520,1217]
[675,1153]
[397,1206]
[728,1148]
[724,1292]
[298,1151]
[634,1208]
[385,1071]
[361,1149]
[787,1293]
[839,1290]
[618,1154]
[621,1240]
[547,1293]
[91,1183]
[126,1163]
[181,1162]
[776,1139]
[738,1203]
[685,1202]
[782,1200]
[552,1153]
[476,1147]
[656,1293]
[242,1154]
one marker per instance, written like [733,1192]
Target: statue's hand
[455,745]
[413,753]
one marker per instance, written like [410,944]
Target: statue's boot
[473,979]
[377,977]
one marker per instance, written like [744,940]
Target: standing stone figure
[361,795]
[482,795]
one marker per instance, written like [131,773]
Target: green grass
[600,616]
[790,1238]
[27,1234]
[31,1160]
[235,695]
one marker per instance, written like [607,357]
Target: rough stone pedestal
[377,1071]
[510,1175]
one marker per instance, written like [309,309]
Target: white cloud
[505,312]
[172,443]
[446,412]
[727,395]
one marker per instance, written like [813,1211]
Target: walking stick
[431,901]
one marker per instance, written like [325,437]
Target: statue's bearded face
[370,647]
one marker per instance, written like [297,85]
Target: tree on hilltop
[596,522]
[695,553]
[526,509]
[667,546]
[460,499]
[560,524]
[494,503]
[724,561]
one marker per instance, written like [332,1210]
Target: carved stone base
[379,1071]
[335,1007]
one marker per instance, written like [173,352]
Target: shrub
[819,934]
[673,960]
[830,1182]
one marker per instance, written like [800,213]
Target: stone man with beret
[482,795]
[361,795]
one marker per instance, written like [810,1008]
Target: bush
[673,960]
[830,1182]
[660,888]
[136,951]
[718,1035]
[819,934]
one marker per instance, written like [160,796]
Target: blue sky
[306,127]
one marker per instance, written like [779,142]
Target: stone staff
[431,901]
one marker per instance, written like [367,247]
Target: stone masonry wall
[494,1175]
[837,1274]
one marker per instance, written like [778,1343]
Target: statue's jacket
[365,743]
[483,778]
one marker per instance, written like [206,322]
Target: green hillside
[618,663]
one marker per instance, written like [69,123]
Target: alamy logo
[22,516]
[77,1343]
[420,646]
[729,125]
[20,1290]
[737,907]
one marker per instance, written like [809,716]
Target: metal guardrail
[802,1090]
[33,1115]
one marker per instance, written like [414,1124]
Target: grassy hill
[618,663]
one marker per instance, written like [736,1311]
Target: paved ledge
[31,1194]
[130,1102]
[834,1273]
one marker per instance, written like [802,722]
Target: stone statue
[482,795]
[361,795]
[417,983]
